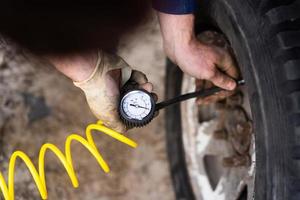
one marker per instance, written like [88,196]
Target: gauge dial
[137,104]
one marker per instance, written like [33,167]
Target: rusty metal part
[221,134]
[239,129]
[233,121]
[221,131]
[237,161]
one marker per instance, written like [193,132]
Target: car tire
[265,37]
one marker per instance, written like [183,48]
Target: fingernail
[231,85]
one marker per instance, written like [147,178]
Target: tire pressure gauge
[137,106]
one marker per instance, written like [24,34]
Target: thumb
[138,77]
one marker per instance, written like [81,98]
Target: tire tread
[281,19]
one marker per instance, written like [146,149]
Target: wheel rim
[205,153]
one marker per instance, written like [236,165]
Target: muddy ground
[39,105]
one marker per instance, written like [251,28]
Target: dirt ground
[39,105]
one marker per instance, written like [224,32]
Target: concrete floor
[39,105]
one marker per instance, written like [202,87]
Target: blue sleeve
[175,6]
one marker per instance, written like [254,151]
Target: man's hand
[205,58]
[101,76]
[216,40]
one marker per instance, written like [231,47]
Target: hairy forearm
[177,31]
[77,67]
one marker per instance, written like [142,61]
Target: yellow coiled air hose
[66,159]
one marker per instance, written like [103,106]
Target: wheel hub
[219,146]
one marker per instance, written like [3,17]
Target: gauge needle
[138,106]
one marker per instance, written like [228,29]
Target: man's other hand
[100,76]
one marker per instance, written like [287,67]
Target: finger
[229,66]
[147,86]
[114,123]
[121,128]
[138,77]
[155,97]
[223,81]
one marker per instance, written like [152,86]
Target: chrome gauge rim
[206,155]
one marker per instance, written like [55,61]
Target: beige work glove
[217,41]
[102,88]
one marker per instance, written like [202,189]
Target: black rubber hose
[201,93]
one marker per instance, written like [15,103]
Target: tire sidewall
[251,39]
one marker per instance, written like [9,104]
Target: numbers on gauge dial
[136,104]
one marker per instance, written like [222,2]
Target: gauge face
[137,104]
